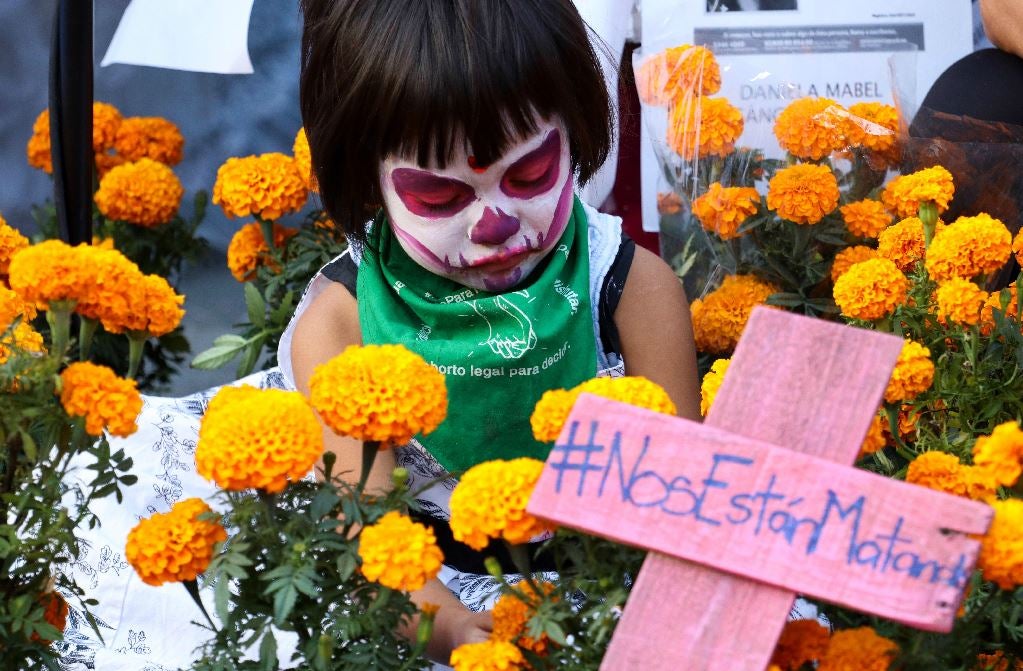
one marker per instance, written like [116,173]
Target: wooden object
[760,498]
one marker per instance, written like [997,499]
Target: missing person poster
[774,51]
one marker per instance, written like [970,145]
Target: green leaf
[284,603]
[28,445]
[787,300]
[323,503]
[216,356]
[346,565]
[268,651]
[555,632]
[255,305]
[232,339]
[252,351]
[221,598]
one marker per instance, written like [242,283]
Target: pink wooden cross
[757,504]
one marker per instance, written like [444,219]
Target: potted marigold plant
[137,211]
[55,416]
[274,262]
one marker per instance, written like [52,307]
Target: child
[469,122]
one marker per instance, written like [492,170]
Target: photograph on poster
[750,5]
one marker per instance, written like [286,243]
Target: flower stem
[136,341]
[369,455]
[193,591]
[928,214]
[267,227]
[86,331]
[58,316]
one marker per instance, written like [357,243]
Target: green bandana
[499,352]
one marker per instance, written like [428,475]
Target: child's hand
[472,628]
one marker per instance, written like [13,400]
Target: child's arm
[329,324]
[656,331]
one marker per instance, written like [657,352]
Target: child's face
[486,227]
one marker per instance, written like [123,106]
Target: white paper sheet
[838,50]
[195,35]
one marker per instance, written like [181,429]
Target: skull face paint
[485,227]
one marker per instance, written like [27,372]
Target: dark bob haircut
[409,77]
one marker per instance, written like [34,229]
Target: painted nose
[493,228]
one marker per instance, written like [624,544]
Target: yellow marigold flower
[50,271]
[490,502]
[722,210]
[145,193]
[11,242]
[107,402]
[711,383]
[12,307]
[801,642]
[38,149]
[1001,549]
[106,119]
[720,317]
[913,374]
[257,439]
[803,193]
[114,286]
[961,301]
[676,73]
[153,307]
[487,656]
[866,218]
[554,406]
[703,127]
[875,126]
[994,302]
[871,289]
[944,472]
[811,128]
[875,439]
[22,338]
[304,160]
[1000,455]
[905,193]
[247,250]
[399,553]
[860,649]
[512,612]
[848,257]
[55,612]
[381,393]
[175,546]
[149,137]
[968,247]
[903,242]
[267,186]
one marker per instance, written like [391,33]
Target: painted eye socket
[428,195]
[536,172]
[530,176]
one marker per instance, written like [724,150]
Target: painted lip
[500,262]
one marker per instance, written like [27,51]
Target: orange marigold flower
[257,439]
[145,193]
[803,193]
[913,374]
[22,338]
[106,119]
[38,149]
[381,393]
[552,409]
[1001,549]
[875,126]
[905,193]
[801,642]
[722,210]
[149,137]
[11,242]
[968,247]
[490,502]
[875,439]
[848,257]
[676,73]
[51,271]
[996,662]
[866,218]
[248,251]
[903,242]
[114,287]
[961,301]
[871,289]
[811,128]
[267,186]
[153,307]
[511,613]
[1000,455]
[12,307]
[304,160]
[993,303]
[399,553]
[1017,247]
[711,383]
[860,649]
[669,203]
[944,472]
[174,546]
[55,612]
[703,127]
[487,656]
[720,317]
[107,162]
[106,401]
